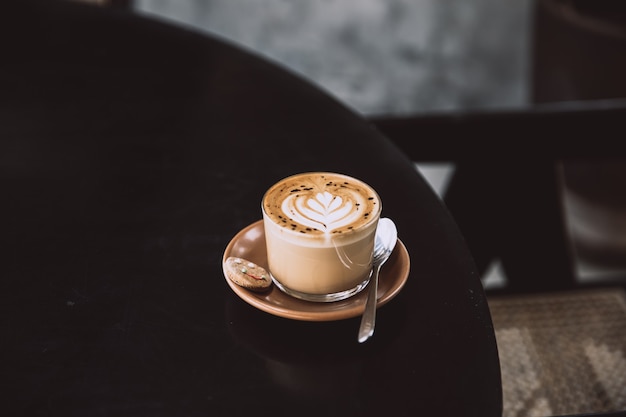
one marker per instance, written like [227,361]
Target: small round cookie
[247,274]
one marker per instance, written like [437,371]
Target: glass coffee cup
[319,230]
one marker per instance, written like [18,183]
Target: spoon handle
[368,320]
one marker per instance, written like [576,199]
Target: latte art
[323,211]
[321,203]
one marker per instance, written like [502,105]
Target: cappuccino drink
[319,230]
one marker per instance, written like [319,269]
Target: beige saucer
[249,244]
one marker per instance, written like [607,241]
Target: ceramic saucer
[249,244]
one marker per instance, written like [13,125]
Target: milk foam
[321,203]
[323,211]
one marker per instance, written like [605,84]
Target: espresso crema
[321,203]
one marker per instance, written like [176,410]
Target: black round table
[131,152]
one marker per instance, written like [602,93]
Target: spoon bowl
[385,242]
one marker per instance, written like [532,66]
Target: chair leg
[513,211]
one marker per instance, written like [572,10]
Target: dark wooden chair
[507,190]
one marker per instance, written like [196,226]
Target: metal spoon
[385,241]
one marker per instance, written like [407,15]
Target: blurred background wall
[381,56]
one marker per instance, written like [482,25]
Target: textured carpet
[562,353]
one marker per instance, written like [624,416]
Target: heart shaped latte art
[324,211]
